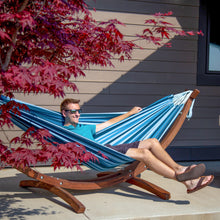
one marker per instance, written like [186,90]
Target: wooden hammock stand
[105,179]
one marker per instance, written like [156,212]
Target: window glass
[214,39]
[208,65]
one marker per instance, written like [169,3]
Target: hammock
[152,122]
[161,120]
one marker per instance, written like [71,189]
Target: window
[208,45]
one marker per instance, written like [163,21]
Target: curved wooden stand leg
[77,206]
[161,193]
[106,179]
[158,191]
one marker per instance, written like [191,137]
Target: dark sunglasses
[73,111]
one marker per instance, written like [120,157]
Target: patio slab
[123,201]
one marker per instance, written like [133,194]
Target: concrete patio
[123,201]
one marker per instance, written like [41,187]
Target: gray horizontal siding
[152,73]
[146,7]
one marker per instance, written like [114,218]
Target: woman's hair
[66,102]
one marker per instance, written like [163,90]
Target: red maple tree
[43,43]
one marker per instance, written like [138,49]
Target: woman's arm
[103,125]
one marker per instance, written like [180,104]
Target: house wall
[152,73]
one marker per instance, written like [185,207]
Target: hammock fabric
[152,122]
[164,116]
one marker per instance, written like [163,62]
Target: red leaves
[162,15]
[160,29]
[190,33]
[105,157]
[45,78]
[51,44]
[44,44]
[200,33]
[22,157]
[68,155]
[4,36]
[7,109]
[4,153]
[25,19]
[151,21]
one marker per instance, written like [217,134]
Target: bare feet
[199,183]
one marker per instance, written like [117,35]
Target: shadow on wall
[156,73]
[166,71]
[161,72]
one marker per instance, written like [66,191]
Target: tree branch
[39,9]
[23,6]
[14,39]
[0,60]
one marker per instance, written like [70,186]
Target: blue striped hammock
[152,122]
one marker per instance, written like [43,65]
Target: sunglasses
[73,111]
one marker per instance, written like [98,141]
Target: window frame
[204,76]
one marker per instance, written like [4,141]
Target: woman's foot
[191,172]
[199,183]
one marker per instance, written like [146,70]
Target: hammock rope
[152,122]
